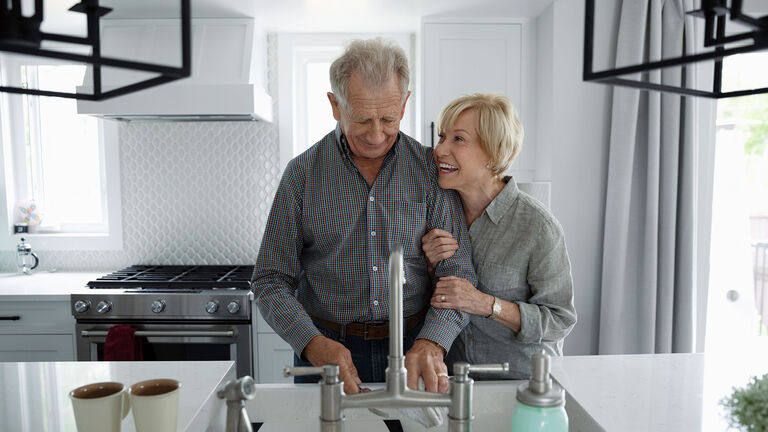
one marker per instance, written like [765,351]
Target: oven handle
[149,333]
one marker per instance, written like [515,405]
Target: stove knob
[104,306]
[233,307]
[82,306]
[158,306]
[212,306]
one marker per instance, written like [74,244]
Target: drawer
[36,348]
[36,317]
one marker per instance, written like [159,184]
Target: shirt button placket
[372,253]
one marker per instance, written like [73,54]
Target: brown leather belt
[371,330]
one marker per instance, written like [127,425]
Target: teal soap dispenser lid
[540,391]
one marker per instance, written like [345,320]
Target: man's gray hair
[375,60]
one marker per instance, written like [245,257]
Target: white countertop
[660,393]
[654,392]
[35,396]
[45,285]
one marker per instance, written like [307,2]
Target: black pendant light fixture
[715,14]
[21,35]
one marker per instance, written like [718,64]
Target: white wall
[574,126]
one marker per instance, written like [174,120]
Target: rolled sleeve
[549,315]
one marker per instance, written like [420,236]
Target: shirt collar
[503,201]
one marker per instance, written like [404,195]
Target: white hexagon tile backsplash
[192,193]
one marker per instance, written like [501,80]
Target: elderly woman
[523,303]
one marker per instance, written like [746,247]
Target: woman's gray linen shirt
[518,250]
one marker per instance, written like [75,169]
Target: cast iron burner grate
[177,277]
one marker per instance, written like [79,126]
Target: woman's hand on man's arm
[438,245]
[456,293]
[453,292]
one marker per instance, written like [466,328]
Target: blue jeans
[368,356]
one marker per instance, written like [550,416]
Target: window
[738,297]
[57,161]
[303,64]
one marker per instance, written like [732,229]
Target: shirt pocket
[406,225]
[503,281]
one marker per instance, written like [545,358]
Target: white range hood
[228,58]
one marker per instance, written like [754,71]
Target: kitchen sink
[296,407]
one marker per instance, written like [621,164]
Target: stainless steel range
[178,312]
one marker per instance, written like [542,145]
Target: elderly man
[321,275]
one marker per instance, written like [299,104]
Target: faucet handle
[461,370]
[330,372]
[489,368]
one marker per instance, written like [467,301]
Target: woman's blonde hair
[498,127]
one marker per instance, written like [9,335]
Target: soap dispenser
[540,402]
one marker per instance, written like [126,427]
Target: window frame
[294,49]
[13,166]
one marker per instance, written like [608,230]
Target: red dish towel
[121,345]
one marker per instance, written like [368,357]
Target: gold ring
[442,298]
[442,374]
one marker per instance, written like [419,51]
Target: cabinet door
[462,59]
[36,348]
[274,355]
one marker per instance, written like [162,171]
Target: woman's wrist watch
[495,309]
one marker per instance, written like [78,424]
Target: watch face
[496,309]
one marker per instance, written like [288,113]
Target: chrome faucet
[236,392]
[395,395]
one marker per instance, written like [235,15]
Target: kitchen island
[35,396]
[654,392]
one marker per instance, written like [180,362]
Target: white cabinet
[271,354]
[486,56]
[274,355]
[33,330]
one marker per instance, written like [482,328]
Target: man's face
[371,119]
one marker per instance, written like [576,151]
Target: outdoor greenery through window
[742,163]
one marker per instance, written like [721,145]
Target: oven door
[175,342]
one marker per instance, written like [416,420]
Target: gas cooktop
[178,277]
[155,292]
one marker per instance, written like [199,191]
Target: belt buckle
[372,324]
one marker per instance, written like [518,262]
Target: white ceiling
[299,15]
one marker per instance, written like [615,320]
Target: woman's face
[461,161]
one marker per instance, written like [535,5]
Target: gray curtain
[649,283]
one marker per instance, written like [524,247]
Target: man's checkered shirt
[326,246]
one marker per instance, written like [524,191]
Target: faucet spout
[396,281]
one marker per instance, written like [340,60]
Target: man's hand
[425,359]
[322,351]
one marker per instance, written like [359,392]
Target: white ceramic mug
[99,407]
[155,405]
